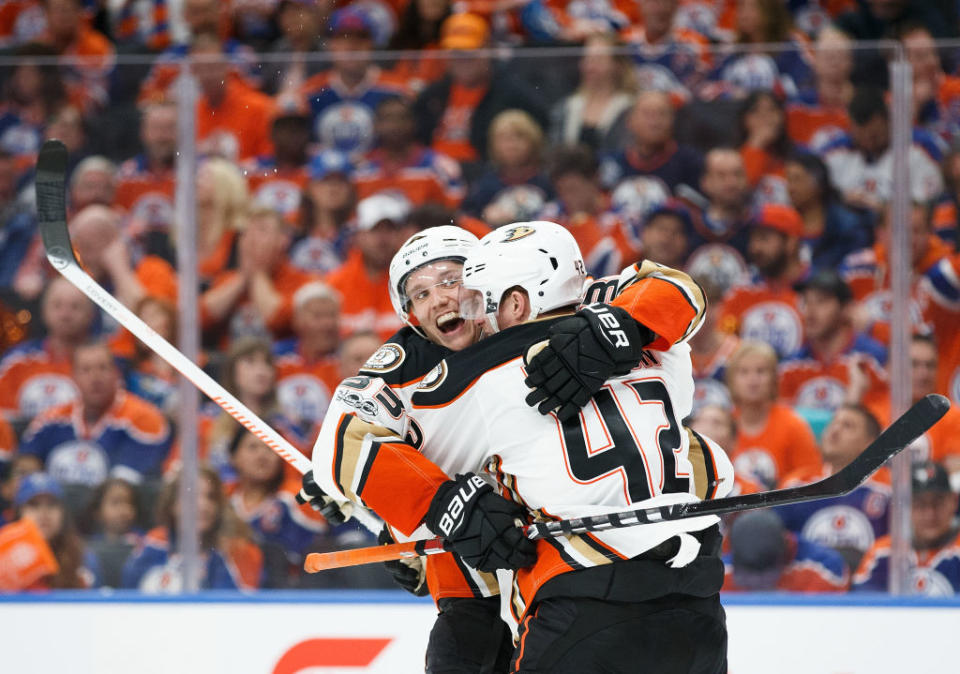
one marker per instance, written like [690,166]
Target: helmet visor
[421,285]
[474,305]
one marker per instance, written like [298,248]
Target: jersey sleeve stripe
[704,468]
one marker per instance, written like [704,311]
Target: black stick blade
[51,186]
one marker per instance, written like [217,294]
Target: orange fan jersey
[238,127]
[452,135]
[304,387]
[765,312]
[942,440]
[147,196]
[8,441]
[423,176]
[785,444]
[940,299]
[278,189]
[808,381]
[814,125]
[33,378]
[366,301]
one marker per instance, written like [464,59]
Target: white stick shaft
[191,371]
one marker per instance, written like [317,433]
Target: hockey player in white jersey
[626,448]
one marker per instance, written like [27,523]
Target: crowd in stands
[328,132]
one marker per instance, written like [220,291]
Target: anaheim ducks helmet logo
[515,233]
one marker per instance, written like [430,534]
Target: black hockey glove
[480,525]
[586,349]
[333,511]
[409,572]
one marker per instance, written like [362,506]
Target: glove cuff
[453,502]
[619,333]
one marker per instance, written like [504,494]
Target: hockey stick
[916,421]
[52,217]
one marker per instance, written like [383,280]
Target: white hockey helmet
[433,244]
[541,257]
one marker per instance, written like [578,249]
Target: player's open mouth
[449,322]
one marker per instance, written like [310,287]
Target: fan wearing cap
[307,364]
[277,180]
[818,373]
[765,557]
[326,208]
[362,280]
[342,100]
[935,557]
[398,162]
[454,114]
[39,499]
[256,298]
[766,309]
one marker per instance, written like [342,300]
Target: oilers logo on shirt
[303,397]
[757,464]
[823,393]
[42,392]
[840,526]
[153,210]
[930,582]
[79,462]
[775,323]
[346,126]
[282,196]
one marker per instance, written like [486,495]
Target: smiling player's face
[432,290]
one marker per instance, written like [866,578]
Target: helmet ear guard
[541,257]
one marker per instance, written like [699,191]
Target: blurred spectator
[257,297]
[277,181]
[936,95]
[70,35]
[21,21]
[300,23]
[939,443]
[326,207]
[884,19]
[668,57]
[201,17]
[8,444]
[252,22]
[766,309]
[362,280]
[271,512]
[595,114]
[68,126]
[514,187]
[222,205]
[710,351]
[665,236]
[861,161]
[653,151]
[145,182]
[32,92]
[935,555]
[766,557]
[419,30]
[40,499]
[454,114]
[307,371]
[851,523]
[149,376]
[831,231]
[717,423]
[231,560]
[570,21]
[355,350]
[772,439]
[35,375]
[93,181]
[398,162]
[18,223]
[868,273]
[940,298]
[250,373]
[106,431]
[760,23]
[19,466]
[763,128]
[818,113]
[104,253]
[342,100]
[139,25]
[233,120]
[113,517]
[817,375]
[720,219]
[946,209]
[582,207]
